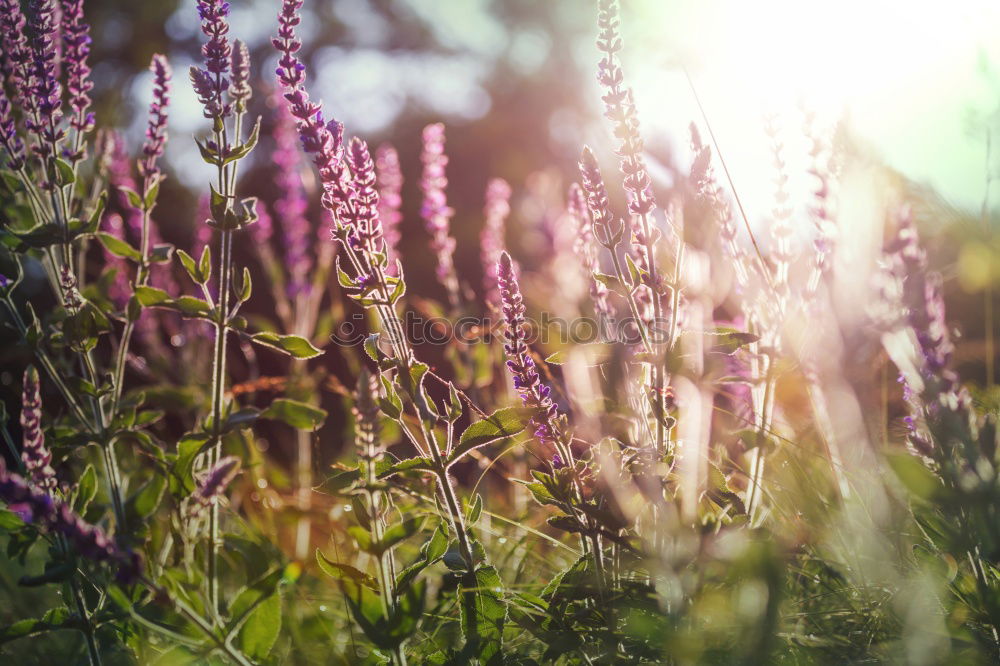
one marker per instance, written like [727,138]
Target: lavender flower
[37,506]
[240,89]
[323,140]
[263,229]
[534,394]
[390,184]
[17,54]
[491,240]
[292,205]
[586,250]
[368,227]
[597,195]
[707,188]
[209,83]
[45,88]
[947,406]
[435,210]
[156,129]
[9,138]
[213,483]
[620,109]
[36,456]
[76,43]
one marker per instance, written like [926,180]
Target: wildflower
[36,456]
[585,249]
[620,109]
[292,205]
[44,84]
[76,43]
[156,129]
[367,226]
[390,184]
[491,241]
[321,139]
[597,194]
[38,506]
[211,82]
[435,210]
[213,483]
[9,138]
[240,89]
[534,394]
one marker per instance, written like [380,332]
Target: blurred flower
[36,456]
[491,240]
[435,210]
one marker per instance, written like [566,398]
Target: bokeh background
[910,92]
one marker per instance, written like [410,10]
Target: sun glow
[904,77]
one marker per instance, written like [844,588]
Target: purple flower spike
[390,183]
[368,227]
[46,124]
[37,506]
[620,110]
[213,483]
[321,139]
[240,89]
[534,394]
[211,82]
[9,139]
[435,210]
[76,48]
[292,205]
[156,130]
[491,240]
[36,456]
[586,249]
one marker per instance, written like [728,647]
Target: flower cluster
[212,484]
[211,82]
[491,241]
[36,456]
[156,129]
[321,139]
[45,88]
[390,200]
[240,89]
[292,205]
[620,109]
[534,394]
[435,210]
[76,49]
[38,506]
[585,248]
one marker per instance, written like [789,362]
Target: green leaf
[406,465]
[293,345]
[339,571]
[149,296]
[396,532]
[190,267]
[205,264]
[151,196]
[118,247]
[86,490]
[261,629]
[246,286]
[181,477]
[296,414]
[190,307]
[484,613]
[729,340]
[914,476]
[500,424]
[133,197]
[144,503]
[476,510]
[64,172]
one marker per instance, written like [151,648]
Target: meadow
[644,429]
